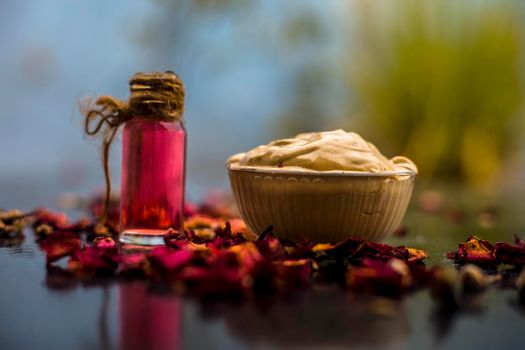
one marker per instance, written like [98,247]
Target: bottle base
[142,237]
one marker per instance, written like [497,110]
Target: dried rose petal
[247,255]
[293,273]
[239,226]
[270,247]
[104,242]
[43,230]
[175,239]
[93,260]
[511,254]
[225,238]
[202,234]
[475,251]
[170,259]
[11,231]
[12,241]
[199,221]
[300,250]
[130,262]
[111,224]
[221,275]
[419,273]
[322,247]
[44,216]
[390,277]
[224,271]
[415,255]
[59,221]
[101,230]
[59,245]
[374,250]
[12,224]
[347,248]
[8,216]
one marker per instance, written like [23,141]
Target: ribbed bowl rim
[343,173]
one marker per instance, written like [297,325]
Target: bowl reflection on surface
[318,320]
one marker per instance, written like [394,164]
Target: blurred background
[438,81]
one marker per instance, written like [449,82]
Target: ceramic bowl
[321,206]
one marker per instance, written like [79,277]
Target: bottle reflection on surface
[147,320]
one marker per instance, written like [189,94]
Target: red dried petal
[130,262]
[176,240]
[104,243]
[225,238]
[301,250]
[293,273]
[92,260]
[415,255]
[53,219]
[511,254]
[381,251]
[224,271]
[247,255]
[199,221]
[238,226]
[475,251]
[59,221]
[374,250]
[347,247]
[519,242]
[170,259]
[390,277]
[270,247]
[59,245]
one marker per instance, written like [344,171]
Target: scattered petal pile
[481,252]
[216,255]
[210,259]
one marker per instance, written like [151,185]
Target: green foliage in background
[439,82]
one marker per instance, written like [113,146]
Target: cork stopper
[157,95]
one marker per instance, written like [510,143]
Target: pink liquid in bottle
[153,171]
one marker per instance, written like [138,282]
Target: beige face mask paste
[321,151]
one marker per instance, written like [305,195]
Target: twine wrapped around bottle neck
[156,96]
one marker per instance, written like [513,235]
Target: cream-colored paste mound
[322,151]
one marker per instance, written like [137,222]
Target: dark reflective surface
[44,309]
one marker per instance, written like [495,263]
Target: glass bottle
[153,163]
